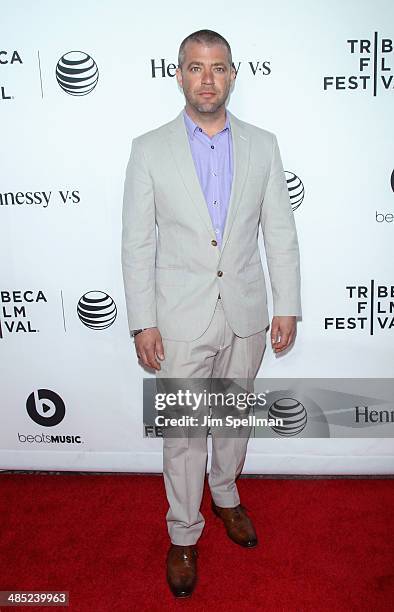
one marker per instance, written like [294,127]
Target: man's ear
[178,73]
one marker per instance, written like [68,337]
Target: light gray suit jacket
[172,269]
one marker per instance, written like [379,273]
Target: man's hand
[283,331]
[149,347]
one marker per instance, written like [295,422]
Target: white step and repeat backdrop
[320,75]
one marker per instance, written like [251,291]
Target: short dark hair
[204,37]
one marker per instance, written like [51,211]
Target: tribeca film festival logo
[374,309]
[14,315]
[8,58]
[46,408]
[373,67]
[95,309]
[76,72]
[161,68]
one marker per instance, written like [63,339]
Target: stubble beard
[206,107]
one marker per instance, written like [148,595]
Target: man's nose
[207,77]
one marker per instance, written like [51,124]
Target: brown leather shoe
[182,569]
[238,525]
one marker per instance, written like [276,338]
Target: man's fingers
[148,360]
[148,346]
[283,330]
[291,338]
[151,358]
[147,356]
[142,357]
[274,333]
[285,342]
[159,350]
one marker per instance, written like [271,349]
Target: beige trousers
[218,353]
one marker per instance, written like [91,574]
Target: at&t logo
[77,73]
[96,310]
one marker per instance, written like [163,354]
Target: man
[195,291]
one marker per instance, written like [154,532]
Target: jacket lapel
[180,147]
[241,152]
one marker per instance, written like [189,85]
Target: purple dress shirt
[213,160]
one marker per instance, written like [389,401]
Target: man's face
[205,76]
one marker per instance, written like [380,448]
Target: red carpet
[325,545]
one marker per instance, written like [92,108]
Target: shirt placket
[214,170]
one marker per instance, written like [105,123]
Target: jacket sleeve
[280,240]
[139,241]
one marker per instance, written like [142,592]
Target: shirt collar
[192,127]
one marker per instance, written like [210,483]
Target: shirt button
[200,129]
[220,273]
[217,231]
[212,147]
[215,203]
[214,243]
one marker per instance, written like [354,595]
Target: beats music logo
[45,407]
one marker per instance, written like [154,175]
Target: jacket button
[220,273]
[214,243]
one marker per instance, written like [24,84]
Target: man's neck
[211,123]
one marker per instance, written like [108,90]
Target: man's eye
[194,68]
[220,68]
